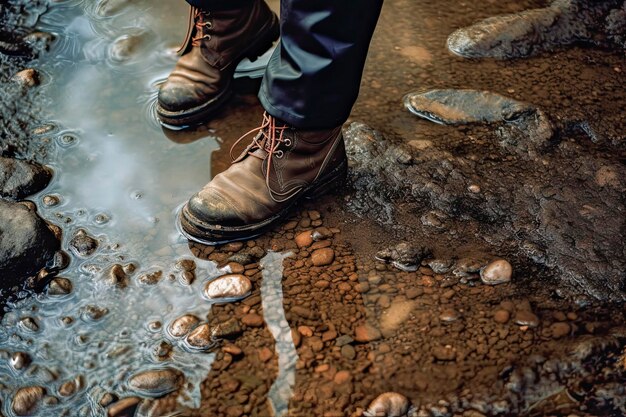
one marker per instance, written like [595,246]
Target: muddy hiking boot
[281,166]
[216,41]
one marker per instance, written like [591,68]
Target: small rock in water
[404,256]
[82,244]
[126,47]
[20,360]
[186,265]
[19,179]
[150,278]
[228,287]
[323,257]
[69,388]
[389,404]
[123,408]
[27,399]
[156,383]
[200,338]
[94,313]
[28,323]
[497,272]
[51,200]
[183,325]
[27,78]
[115,276]
[59,286]
[228,329]
[39,40]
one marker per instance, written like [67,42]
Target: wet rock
[467,266]
[27,78]
[559,330]
[525,127]
[29,324]
[19,179]
[186,265]
[26,400]
[367,333]
[82,244]
[59,286]
[440,266]
[497,272]
[393,317]
[19,360]
[404,256]
[389,404]
[228,287]
[69,388]
[93,312]
[27,243]
[304,239]
[39,41]
[151,278]
[323,257]
[526,318]
[200,338]
[51,200]
[156,383]
[227,330]
[107,8]
[123,408]
[253,320]
[530,32]
[127,47]
[348,352]
[182,325]
[115,276]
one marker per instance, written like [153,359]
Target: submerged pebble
[27,78]
[200,338]
[233,286]
[497,272]
[59,286]
[182,325]
[82,244]
[27,399]
[20,360]
[389,404]
[156,383]
[323,257]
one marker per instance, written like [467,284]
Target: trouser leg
[217,4]
[314,75]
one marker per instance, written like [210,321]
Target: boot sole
[263,41]
[198,231]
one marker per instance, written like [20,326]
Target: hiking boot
[216,42]
[279,167]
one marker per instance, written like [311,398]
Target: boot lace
[198,24]
[269,137]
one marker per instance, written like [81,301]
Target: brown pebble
[304,239]
[342,377]
[560,330]
[236,268]
[232,349]
[501,316]
[252,320]
[314,215]
[526,318]
[348,352]
[123,407]
[323,257]
[265,354]
[27,399]
[367,333]
[305,331]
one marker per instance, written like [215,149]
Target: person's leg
[313,78]
[221,33]
[309,88]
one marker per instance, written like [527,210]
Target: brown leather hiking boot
[281,166]
[216,42]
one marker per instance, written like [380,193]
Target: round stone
[182,325]
[234,286]
[323,257]
[497,272]
[27,399]
[156,383]
[389,404]
[304,239]
[501,316]
[200,338]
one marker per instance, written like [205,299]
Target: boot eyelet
[208,25]
[288,142]
[207,37]
[279,154]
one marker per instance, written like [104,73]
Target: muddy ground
[338,313]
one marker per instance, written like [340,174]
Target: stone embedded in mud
[185,264]
[530,32]
[444,353]
[392,318]
[404,256]
[497,272]
[304,239]
[59,286]
[82,244]
[200,338]
[27,242]
[526,318]
[367,333]
[227,329]
[27,78]
[27,399]
[19,179]
[440,266]
[156,383]
[233,286]
[389,404]
[501,316]
[123,408]
[468,266]
[182,325]
[323,257]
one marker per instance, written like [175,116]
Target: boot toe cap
[176,97]
[213,209]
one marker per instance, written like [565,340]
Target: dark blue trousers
[314,75]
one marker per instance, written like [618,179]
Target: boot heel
[336,182]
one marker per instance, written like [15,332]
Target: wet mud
[473,267]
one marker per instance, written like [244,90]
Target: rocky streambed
[473,267]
